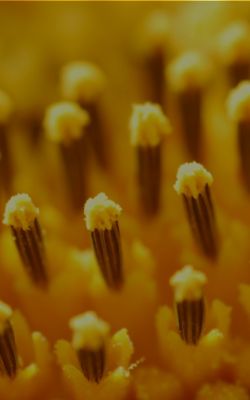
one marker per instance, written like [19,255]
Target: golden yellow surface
[146,357]
[6,106]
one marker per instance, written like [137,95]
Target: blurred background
[37,39]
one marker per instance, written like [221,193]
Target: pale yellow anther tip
[148,125]
[101,212]
[65,121]
[188,284]
[234,43]
[82,81]
[155,30]
[238,102]
[189,71]
[89,331]
[192,179]
[20,212]
[6,107]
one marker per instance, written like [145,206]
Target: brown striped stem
[191,317]
[107,247]
[8,351]
[30,246]
[201,217]
[92,363]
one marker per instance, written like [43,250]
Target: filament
[101,216]
[22,217]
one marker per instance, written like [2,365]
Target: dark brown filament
[97,134]
[92,363]
[149,178]
[191,317]
[31,123]
[190,104]
[244,150]
[31,250]
[239,71]
[8,351]
[5,161]
[107,247]
[155,65]
[201,217]
[74,157]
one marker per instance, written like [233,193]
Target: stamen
[239,111]
[89,340]
[148,126]
[8,351]
[189,303]
[188,76]
[193,183]
[234,46]
[84,83]
[5,160]
[22,217]
[65,124]
[101,216]
[155,37]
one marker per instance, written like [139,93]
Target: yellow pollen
[89,331]
[188,284]
[100,212]
[190,70]
[234,44]
[148,125]
[20,212]
[82,81]
[65,122]
[192,179]
[155,31]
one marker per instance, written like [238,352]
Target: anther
[89,341]
[234,47]
[8,351]
[193,184]
[239,111]
[188,76]
[101,216]
[22,217]
[148,127]
[154,42]
[189,303]
[84,82]
[65,124]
